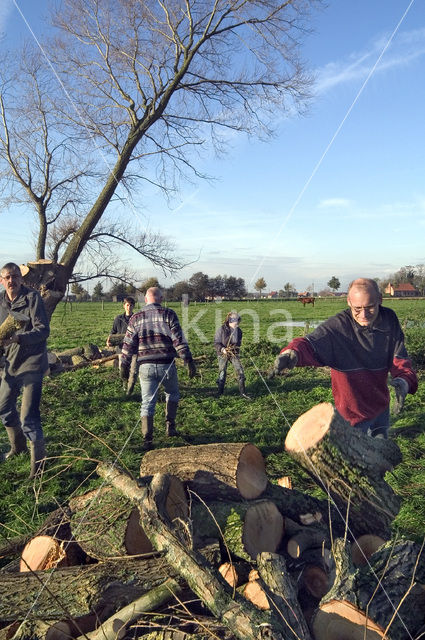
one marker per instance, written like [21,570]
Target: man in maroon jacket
[361,345]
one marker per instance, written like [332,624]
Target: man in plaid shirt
[155,335]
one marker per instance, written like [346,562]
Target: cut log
[57,526]
[315,580]
[364,547]
[349,465]
[248,528]
[303,508]
[282,594]
[225,471]
[285,481]
[307,538]
[386,597]
[254,592]
[242,619]
[79,590]
[107,524]
[116,339]
[42,552]
[235,573]
[12,323]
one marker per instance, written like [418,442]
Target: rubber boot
[147,432]
[38,457]
[220,389]
[18,442]
[242,389]
[170,417]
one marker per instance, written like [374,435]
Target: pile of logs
[203,545]
[78,357]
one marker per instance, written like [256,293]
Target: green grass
[87,418]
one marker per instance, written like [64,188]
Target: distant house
[404,290]
[272,294]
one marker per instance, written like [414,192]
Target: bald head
[364,299]
[366,284]
[153,295]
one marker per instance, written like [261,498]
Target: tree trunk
[77,591]
[282,594]
[220,471]
[349,465]
[247,528]
[49,278]
[242,619]
[107,524]
[303,508]
[387,596]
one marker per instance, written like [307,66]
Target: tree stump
[248,528]
[349,466]
[386,597]
[225,471]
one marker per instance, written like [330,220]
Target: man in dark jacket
[26,363]
[361,345]
[155,335]
[118,330]
[227,342]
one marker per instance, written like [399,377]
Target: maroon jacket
[360,359]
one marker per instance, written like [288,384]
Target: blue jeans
[223,361]
[151,377]
[377,426]
[30,420]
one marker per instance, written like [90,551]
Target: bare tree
[137,88]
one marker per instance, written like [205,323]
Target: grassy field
[87,418]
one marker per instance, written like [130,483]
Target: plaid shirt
[155,335]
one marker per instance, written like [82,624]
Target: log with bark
[383,599]
[107,524]
[349,465]
[244,620]
[247,528]
[12,323]
[77,591]
[222,471]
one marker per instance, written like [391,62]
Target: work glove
[401,387]
[191,368]
[286,360]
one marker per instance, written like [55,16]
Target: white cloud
[406,47]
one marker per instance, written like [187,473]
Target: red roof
[406,286]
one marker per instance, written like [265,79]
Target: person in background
[154,334]
[227,342]
[362,345]
[25,365]
[118,330]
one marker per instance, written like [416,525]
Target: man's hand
[286,360]
[191,368]
[7,341]
[401,387]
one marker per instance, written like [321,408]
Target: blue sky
[339,191]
